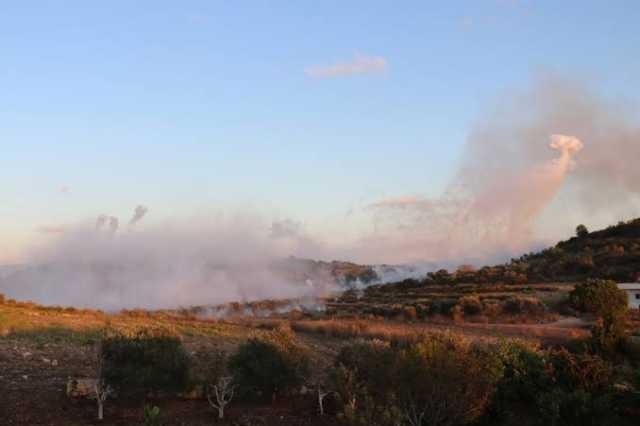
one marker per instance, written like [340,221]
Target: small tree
[348,388]
[223,390]
[269,364]
[101,389]
[145,362]
[581,231]
[219,385]
[604,299]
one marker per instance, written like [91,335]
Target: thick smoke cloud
[545,160]
[558,150]
[159,267]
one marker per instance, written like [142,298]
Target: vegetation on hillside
[612,253]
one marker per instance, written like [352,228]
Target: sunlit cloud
[360,64]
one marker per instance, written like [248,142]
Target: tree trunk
[221,413]
[100,411]
[320,405]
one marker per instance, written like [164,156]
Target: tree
[145,362]
[440,381]
[581,231]
[223,389]
[269,364]
[610,304]
[219,384]
[101,389]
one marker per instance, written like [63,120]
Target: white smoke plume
[101,220]
[114,223]
[546,160]
[138,214]
[165,266]
[510,185]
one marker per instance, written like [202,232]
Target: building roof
[629,286]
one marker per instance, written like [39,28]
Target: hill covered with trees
[612,253]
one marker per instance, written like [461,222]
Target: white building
[633,294]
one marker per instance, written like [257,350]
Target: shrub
[554,388]
[372,363]
[583,371]
[135,365]
[441,306]
[151,415]
[581,394]
[524,305]
[442,380]
[410,313]
[442,385]
[524,375]
[471,305]
[600,297]
[604,299]
[270,364]
[581,231]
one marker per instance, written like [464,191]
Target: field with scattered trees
[469,355]
[546,339]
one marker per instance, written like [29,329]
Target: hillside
[612,253]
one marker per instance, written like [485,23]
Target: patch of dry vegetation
[29,320]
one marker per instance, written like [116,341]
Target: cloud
[361,64]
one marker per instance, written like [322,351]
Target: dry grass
[408,333]
[29,320]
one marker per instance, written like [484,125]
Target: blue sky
[192,105]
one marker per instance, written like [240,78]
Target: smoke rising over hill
[557,141]
[159,266]
[519,159]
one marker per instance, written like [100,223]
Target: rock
[81,388]
[25,377]
[54,363]
[26,354]
[46,360]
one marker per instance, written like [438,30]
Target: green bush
[444,385]
[524,305]
[581,231]
[269,365]
[151,415]
[471,305]
[604,299]
[145,362]
[373,363]
[600,297]
[552,388]
[441,306]
[442,380]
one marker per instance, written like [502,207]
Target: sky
[306,111]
